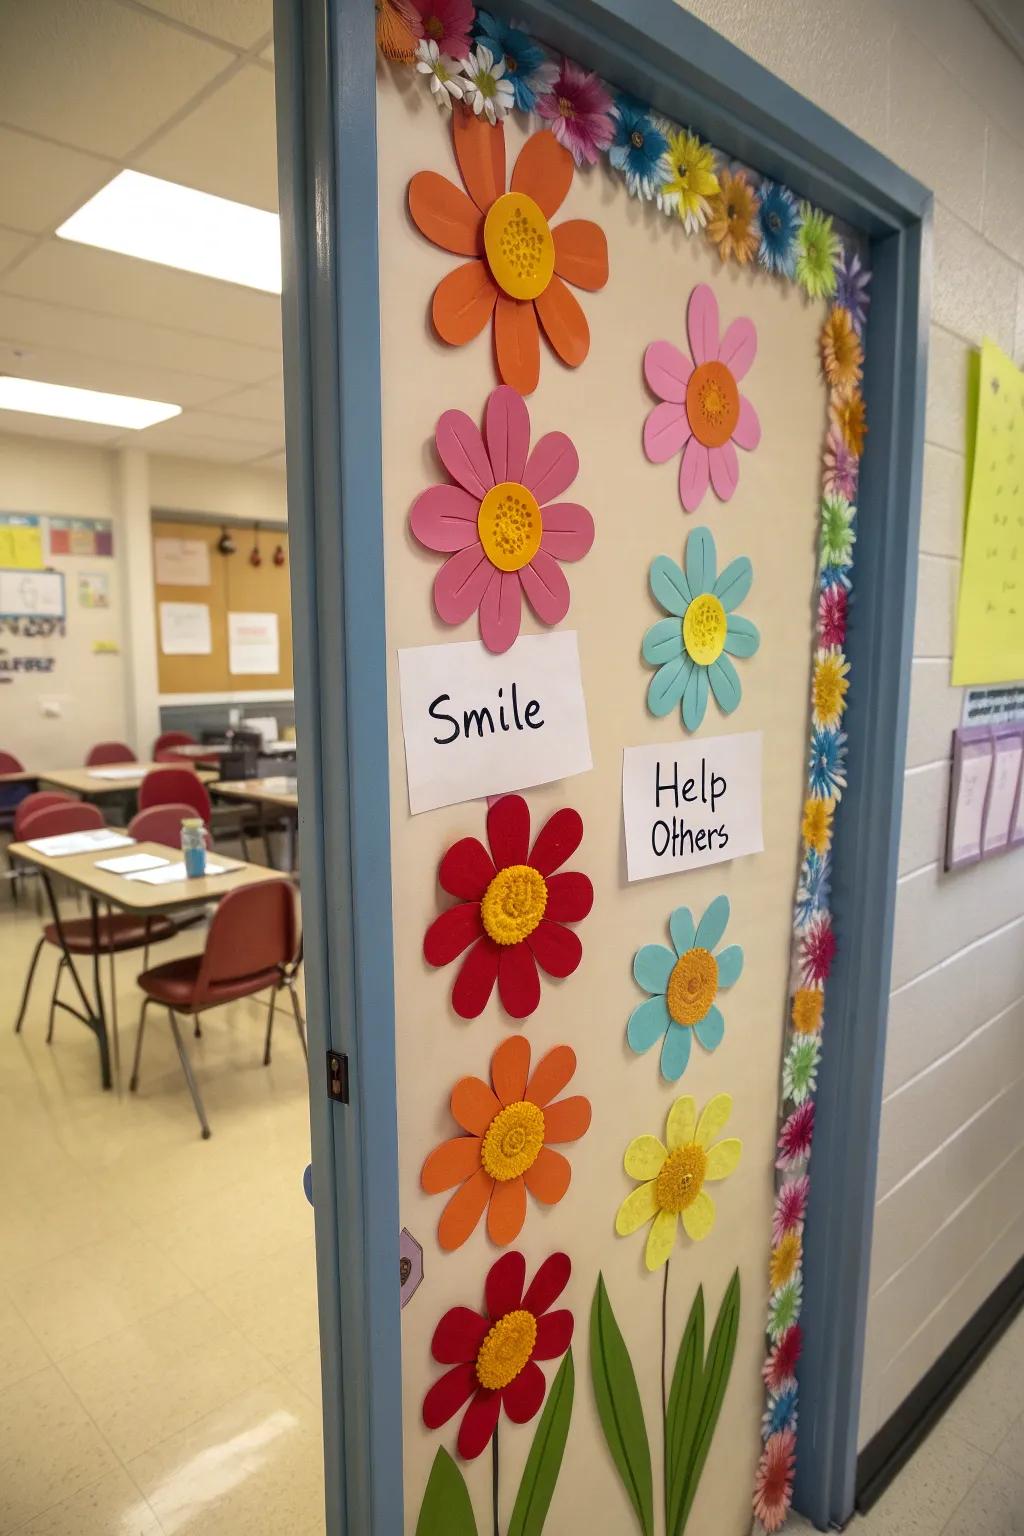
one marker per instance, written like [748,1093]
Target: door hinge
[337,1076]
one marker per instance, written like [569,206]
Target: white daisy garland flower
[485,87]
[447,82]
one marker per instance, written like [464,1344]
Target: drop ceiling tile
[24,425]
[106,283]
[227,145]
[242,22]
[96,74]
[116,378]
[182,446]
[41,184]
[12,243]
[228,429]
[264,402]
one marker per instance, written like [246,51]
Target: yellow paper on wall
[21,543]
[989,645]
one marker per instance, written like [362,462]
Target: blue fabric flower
[826,775]
[835,576]
[527,67]
[692,648]
[684,982]
[639,148]
[780,1413]
[779,219]
[813,889]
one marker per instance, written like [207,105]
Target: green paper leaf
[683,1406]
[619,1407]
[446,1509]
[716,1378]
[545,1459]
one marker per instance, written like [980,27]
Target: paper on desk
[131,863]
[65,843]
[169,874]
[126,771]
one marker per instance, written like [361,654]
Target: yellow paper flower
[842,355]
[732,219]
[817,825]
[808,1003]
[785,1260]
[848,415]
[691,180]
[828,690]
[674,1176]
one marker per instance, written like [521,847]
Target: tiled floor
[159,1366]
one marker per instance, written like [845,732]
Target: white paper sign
[252,643]
[31,594]
[185,629]
[181,562]
[693,804]
[476,724]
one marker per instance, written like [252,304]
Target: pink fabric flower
[500,523]
[842,467]
[447,23]
[578,111]
[796,1137]
[832,608]
[702,412]
[779,1370]
[817,950]
[790,1208]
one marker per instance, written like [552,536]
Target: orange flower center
[509,525]
[712,404]
[512,1142]
[566,107]
[692,986]
[513,904]
[518,244]
[506,1350]
[681,1178]
[434,27]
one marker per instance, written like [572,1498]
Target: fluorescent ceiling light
[176,226]
[37,399]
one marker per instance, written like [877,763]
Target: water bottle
[193,846]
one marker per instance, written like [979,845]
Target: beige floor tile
[152,1380]
[275,1306]
[34,1231]
[111,1507]
[927,1490]
[305,1371]
[1010,1450]
[49,1448]
[254,1466]
[993,1507]
[21,1354]
[237,1228]
[991,1401]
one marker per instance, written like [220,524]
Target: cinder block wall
[933,86]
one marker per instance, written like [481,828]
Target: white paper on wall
[185,629]
[253,643]
[181,562]
[692,804]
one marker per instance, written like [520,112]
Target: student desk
[279,794]
[103,886]
[91,783]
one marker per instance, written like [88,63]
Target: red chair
[175,786]
[10,764]
[171,739]
[105,752]
[11,795]
[115,932]
[161,824]
[38,800]
[250,948]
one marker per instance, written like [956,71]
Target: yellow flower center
[566,107]
[712,404]
[692,986]
[509,525]
[636,138]
[704,627]
[506,1350]
[681,1178]
[434,27]
[518,244]
[513,904]
[513,1141]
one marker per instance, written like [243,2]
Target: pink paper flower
[842,468]
[448,24]
[790,1208]
[578,110]
[702,411]
[500,523]
[779,1370]
[832,608]
[773,1486]
[795,1137]
[817,950]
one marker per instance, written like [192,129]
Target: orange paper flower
[849,416]
[506,1151]
[732,219]
[842,356]
[519,265]
[399,29]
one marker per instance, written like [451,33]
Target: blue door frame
[326,84]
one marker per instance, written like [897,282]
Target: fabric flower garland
[500,524]
[684,982]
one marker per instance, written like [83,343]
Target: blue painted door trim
[326,74]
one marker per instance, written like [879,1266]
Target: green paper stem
[619,1408]
[545,1459]
[446,1509]
[698,1402]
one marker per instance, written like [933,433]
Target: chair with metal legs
[287,983]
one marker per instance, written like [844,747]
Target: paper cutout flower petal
[685,982]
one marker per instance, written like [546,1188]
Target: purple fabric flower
[578,111]
[841,467]
[852,279]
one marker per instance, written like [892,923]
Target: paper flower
[778,220]
[674,1176]
[494,1354]
[852,281]
[816,825]
[487,92]
[814,888]
[684,982]
[808,1002]
[702,411]
[639,148]
[780,1414]
[817,951]
[399,29]
[446,79]
[505,534]
[833,604]
[510,1127]
[691,649]
[795,1138]
[779,1370]
[579,110]
[447,23]
[826,776]
[829,686]
[800,1068]
[817,250]
[842,356]
[785,1260]
[837,532]
[847,411]
[842,468]
[526,66]
[790,1208]
[773,1487]
[517,261]
[512,909]
[690,180]
[732,218]
[784,1308]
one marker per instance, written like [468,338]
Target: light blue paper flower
[692,648]
[826,769]
[812,895]
[684,982]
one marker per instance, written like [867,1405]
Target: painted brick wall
[932,86]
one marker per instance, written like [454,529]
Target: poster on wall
[181,562]
[26,594]
[88,538]
[93,589]
[185,629]
[253,645]
[21,541]
[691,805]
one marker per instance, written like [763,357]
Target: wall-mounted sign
[93,589]
[21,541]
[185,629]
[253,644]
[181,562]
[477,724]
[692,804]
[85,537]
[16,666]
[31,594]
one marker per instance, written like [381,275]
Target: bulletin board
[235,586]
[643,532]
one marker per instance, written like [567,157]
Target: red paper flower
[513,909]
[796,1136]
[790,1208]
[817,950]
[494,1353]
[773,1487]
[779,1370]
[832,607]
